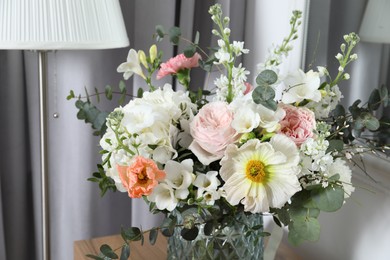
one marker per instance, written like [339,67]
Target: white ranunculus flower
[179,176]
[164,197]
[340,167]
[300,85]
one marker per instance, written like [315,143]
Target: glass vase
[237,240]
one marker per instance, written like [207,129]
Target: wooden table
[147,251]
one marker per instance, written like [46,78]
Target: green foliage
[174,35]
[329,199]
[105,182]
[107,251]
[264,94]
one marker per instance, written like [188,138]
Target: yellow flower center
[255,171]
[142,176]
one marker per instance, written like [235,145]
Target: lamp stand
[42,77]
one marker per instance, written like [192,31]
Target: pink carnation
[212,132]
[175,64]
[140,177]
[298,124]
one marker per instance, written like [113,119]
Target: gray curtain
[76,210]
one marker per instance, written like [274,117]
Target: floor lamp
[46,25]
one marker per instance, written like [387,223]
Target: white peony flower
[261,175]
[300,86]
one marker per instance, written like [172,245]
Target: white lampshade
[375,26]
[61,24]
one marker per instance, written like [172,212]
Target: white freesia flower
[245,120]
[131,66]
[300,86]
[269,119]
[261,175]
[164,197]
[179,176]
[207,182]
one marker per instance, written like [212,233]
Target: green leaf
[339,111]
[71,95]
[384,93]
[265,96]
[208,228]
[100,120]
[94,257]
[125,252]
[160,32]
[374,101]
[106,250]
[329,199]
[153,236]
[189,234]
[168,226]
[140,93]
[79,104]
[108,92]
[122,86]
[131,234]
[355,109]
[372,123]
[196,40]
[174,35]
[97,95]
[304,229]
[335,145]
[189,51]
[297,213]
[266,77]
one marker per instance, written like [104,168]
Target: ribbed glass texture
[61,24]
[231,242]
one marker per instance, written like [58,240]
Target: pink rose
[212,132]
[298,124]
[140,177]
[173,65]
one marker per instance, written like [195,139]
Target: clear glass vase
[230,242]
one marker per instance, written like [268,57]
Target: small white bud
[354,56]
[346,76]
[322,71]
[342,47]
[339,56]
[226,31]
[341,69]
[215,32]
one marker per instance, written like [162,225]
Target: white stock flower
[300,86]
[238,48]
[131,66]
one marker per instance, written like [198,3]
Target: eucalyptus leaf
[197,36]
[335,145]
[71,95]
[189,234]
[329,199]
[174,35]
[131,234]
[266,77]
[374,100]
[372,123]
[95,257]
[153,236]
[168,226]
[107,251]
[160,31]
[189,51]
[140,93]
[122,86]
[125,252]
[304,229]
[108,92]
[384,93]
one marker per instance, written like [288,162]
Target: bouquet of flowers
[278,147]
